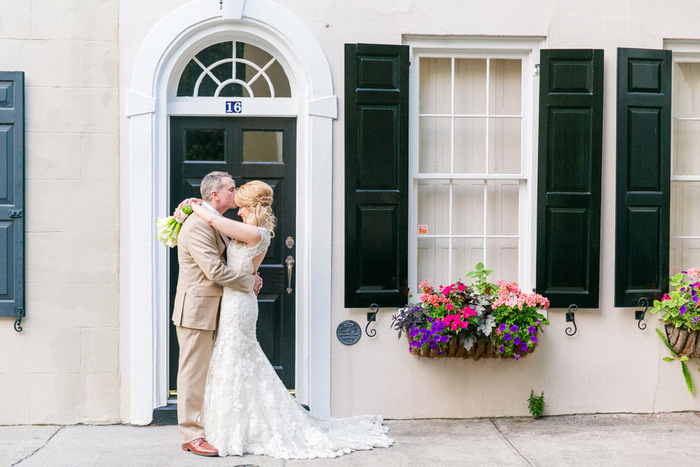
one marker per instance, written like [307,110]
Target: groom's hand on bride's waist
[258,283]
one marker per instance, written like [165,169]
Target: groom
[201,254]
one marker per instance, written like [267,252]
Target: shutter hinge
[16,214]
[18,321]
[537,70]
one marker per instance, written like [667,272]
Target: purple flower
[507,336]
[502,327]
[514,328]
[517,356]
[695,298]
[533,338]
[683,309]
[682,289]
[694,320]
[523,346]
[502,349]
[516,341]
[531,329]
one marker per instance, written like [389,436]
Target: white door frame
[145,183]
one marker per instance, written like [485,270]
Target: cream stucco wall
[63,367]
[72,362]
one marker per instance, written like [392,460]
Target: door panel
[249,149]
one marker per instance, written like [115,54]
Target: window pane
[435,86]
[686,91]
[470,145]
[502,258]
[504,81]
[466,252]
[687,145]
[434,148]
[685,216]
[204,145]
[262,146]
[433,261]
[504,145]
[468,207]
[685,253]
[434,205]
[470,86]
[502,207]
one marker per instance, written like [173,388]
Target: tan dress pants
[195,353]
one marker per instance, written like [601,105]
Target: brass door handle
[290,267]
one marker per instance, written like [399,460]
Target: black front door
[249,149]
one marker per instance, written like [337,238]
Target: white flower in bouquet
[168,228]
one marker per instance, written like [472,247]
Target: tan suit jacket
[201,253]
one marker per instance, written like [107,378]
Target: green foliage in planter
[536,404]
[684,366]
[681,307]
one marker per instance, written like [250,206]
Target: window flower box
[479,320]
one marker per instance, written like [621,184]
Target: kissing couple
[230,399]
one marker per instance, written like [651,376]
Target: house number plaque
[348,332]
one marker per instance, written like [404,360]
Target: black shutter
[643,175]
[570,154]
[12,194]
[376,175]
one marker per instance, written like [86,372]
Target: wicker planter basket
[481,349]
[685,343]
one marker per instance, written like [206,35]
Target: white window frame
[526,49]
[684,51]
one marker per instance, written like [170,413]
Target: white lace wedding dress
[247,409]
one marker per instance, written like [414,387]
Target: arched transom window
[233,69]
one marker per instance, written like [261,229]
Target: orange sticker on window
[422,230]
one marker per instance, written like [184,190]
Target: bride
[247,408]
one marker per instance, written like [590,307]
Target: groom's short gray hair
[212,182]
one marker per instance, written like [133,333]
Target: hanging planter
[685,342]
[680,310]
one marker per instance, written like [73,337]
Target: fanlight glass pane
[262,146]
[205,145]
[435,86]
[233,69]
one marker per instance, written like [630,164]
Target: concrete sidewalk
[580,440]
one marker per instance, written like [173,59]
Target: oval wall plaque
[348,332]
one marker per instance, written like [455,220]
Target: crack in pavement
[39,448]
[504,438]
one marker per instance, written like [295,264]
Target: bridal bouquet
[168,228]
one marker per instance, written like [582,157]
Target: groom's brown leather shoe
[200,447]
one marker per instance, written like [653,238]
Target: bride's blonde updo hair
[257,197]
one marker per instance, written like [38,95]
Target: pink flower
[665,297]
[424,298]
[693,272]
[461,287]
[424,284]
[450,306]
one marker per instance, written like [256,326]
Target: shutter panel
[11,193]
[376,175]
[643,175]
[570,154]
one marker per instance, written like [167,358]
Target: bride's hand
[191,201]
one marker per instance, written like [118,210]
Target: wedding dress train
[247,408]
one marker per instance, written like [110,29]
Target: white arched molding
[145,185]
